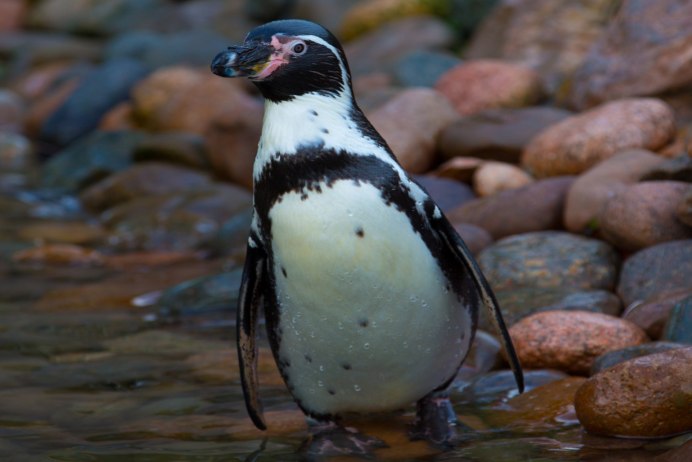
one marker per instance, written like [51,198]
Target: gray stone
[676,169]
[612,358]
[201,296]
[499,385]
[423,68]
[679,325]
[448,194]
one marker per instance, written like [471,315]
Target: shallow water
[92,369]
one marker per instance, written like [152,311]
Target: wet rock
[161,343]
[90,159]
[684,209]
[384,46]
[12,13]
[147,260]
[540,409]
[493,177]
[581,141]
[64,232]
[219,367]
[459,168]
[478,85]
[374,90]
[59,255]
[643,214]
[100,90]
[475,237]
[177,148]
[12,110]
[141,180]
[679,325]
[656,269]
[551,37]
[596,301]
[154,50]
[195,101]
[497,134]
[612,358]
[218,292]
[498,385]
[100,18]
[423,68]
[571,340]
[678,168]
[368,16]
[534,207]
[483,356]
[410,123]
[627,61]
[643,397]
[17,161]
[549,259]
[447,194]
[652,314]
[591,190]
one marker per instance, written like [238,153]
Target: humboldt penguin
[370,296]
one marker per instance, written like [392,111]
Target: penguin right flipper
[462,253]
[248,309]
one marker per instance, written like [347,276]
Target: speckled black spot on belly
[346,366]
[360,232]
[283,271]
[362,322]
[308,358]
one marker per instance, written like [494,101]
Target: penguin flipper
[248,309]
[462,253]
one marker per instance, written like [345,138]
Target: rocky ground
[555,135]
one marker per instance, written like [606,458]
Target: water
[91,371]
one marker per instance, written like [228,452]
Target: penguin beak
[244,61]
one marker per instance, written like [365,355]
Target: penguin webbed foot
[328,439]
[436,422]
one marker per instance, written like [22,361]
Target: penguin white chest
[366,319]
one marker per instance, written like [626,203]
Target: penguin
[370,296]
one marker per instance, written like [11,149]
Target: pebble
[176,148]
[497,134]
[592,189]
[12,110]
[535,207]
[644,214]
[684,209]
[501,385]
[493,177]
[423,68]
[477,85]
[652,314]
[459,168]
[60,255]
[570,341]
[368,16]
[207,294]
[12,13]
[63,232]
[475,237]
[679,168]
[447,194]
[581,141]
[625,61]
[645,397]
[679,325]
[656,269]
[612,358]
[410,123]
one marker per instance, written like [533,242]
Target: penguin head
[286,59]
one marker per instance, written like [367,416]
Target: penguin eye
[298,48]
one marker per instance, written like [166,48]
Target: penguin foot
[330,439]
[436,421]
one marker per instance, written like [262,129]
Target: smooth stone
[475,237]
[232,236]
[88,160]
[141,180]
[656,269]
[34,48]
[550,259]
[484,354]
[384,46]
[17,161]
[497,134]
[156,50]
[218,292]
[644,214]
[12,111]
[551,37]
[500,385]
[652,314]
[161,343]
[645,397]
[59,255]
[679,325]
[592,189]
[474,86]
[423,68]
[535,207]
[627,61]
[570,341]
[459,168]
[541,409]
[612,358]
[410,123]
[99,91]
[447,194]
[577,143]
[596,301]
[220,367]
[364,17]
[177,148]
[678,168]
[494,177]
[684,210]
[64,232]
[13,13]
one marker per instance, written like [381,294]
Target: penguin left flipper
[248,308]
[462,253]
